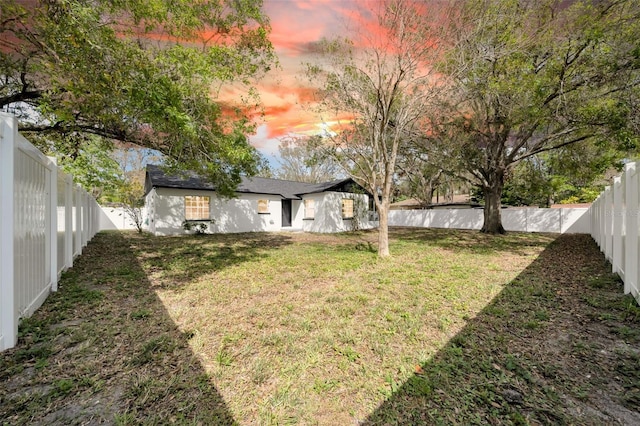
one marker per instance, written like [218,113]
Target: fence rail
[46,220]
[615,224]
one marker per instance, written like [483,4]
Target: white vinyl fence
[117,218]
[45,221]
[563,220]
[615,222]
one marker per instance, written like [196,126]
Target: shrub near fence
[46,220]
[615,226]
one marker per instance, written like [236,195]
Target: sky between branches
[297,27]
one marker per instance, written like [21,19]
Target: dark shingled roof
[156,178]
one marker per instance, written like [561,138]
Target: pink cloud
[297,27]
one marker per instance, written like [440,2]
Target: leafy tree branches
[529,77]
[142,72]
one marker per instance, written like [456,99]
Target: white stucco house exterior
[260,205]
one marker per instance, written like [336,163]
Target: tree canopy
[528,77]
[142,72]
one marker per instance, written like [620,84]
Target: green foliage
[139,72]
[91,165]
[528,185]
[527,78]
[571,174]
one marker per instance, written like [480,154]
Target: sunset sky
[297,25]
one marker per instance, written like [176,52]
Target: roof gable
[156,178]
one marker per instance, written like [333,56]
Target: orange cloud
[297,25]
[290,93]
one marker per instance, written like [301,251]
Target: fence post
[68,218]
[77,246]
[596,220]
[603,220]
[85,219]
[53,223]
[8,321]
[618,201]
[631,240]
[608,223]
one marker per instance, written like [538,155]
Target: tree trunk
[383,231]
[492,215]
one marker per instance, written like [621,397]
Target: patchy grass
[456,327]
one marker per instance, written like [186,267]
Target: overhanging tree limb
[118,82]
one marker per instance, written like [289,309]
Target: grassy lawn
[457,327]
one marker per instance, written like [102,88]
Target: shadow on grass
[559,345]
[103,349]
[187,257]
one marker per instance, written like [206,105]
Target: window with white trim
[347,208]
[196,207]
[263,206]
[309,209]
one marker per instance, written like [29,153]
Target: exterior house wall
[149,222]
[241,214]
[328,212]
[168,205]
[297,215]
[317,223]
[166,212]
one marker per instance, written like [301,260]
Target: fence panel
[37,204]
[32,222]
[61,201]
[616,227]
[575,220]
[632,230]
[608,222]
[117,218]
[617,255]
[8,325]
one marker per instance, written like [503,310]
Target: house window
[309,209]
[263,206]
[347,208]
[196,207]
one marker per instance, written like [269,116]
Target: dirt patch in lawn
[456,328]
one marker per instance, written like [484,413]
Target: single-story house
[174,203]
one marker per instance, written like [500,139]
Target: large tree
[142,72]
[527,77]
[575,173]
[381,78]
